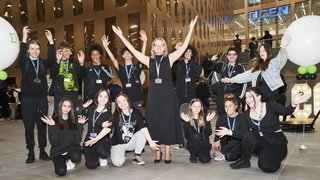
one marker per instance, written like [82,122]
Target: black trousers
[99,150]
[59,161]
[231,148]
[32,109]
[197,146]
[72,95]
[270,156]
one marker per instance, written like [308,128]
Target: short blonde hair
[165,53]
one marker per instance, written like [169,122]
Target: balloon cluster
[3,75]
[306,73]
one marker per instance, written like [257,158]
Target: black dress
[162,105]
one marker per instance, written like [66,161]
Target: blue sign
[269,13]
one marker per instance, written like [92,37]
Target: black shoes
[240,164]
[193,159]
[30,158]
[158,160]
[44,156]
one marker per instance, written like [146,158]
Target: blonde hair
[165,53]
[201,120]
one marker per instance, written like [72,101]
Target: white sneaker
[219,158]
[70,165]
[103,162]
[138,160]
[176,146]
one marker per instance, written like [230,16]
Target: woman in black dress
[163,112]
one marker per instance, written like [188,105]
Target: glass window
[168,10]
[133,31]
[69,34]
[176,5]
[7,11]
[267,1]
[253,3]
[154,26]
[121,3]
[98,5]
[183,9]
[112,36]
[315,8]
[77,7]
[23,12]
[180,35]
[58,8]
[159,5]
[88,33]
[40,10]
[165,30]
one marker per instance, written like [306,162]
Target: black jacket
[205,131]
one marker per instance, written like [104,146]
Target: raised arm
[140,56]
[176,54]
[144,39]
[106,42]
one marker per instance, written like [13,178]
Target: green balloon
[3,75]
[312,69]
[302,69]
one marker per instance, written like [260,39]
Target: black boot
[193,158]
[31,157]
[240,164]
[43,155]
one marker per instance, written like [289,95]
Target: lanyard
[196,127]
[187,70]
[36,67]
[260,115]
[129,73]
[126,124]
[158,66]
[66,65]
[233,124]
[230,70]
[95,118]
[97,72]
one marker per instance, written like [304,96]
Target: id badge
[99,81]
[158,80]
[93,135]
[260,133]
[128,85]
[66,80]
[188,79]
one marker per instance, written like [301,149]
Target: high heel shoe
[158,160]
[168,161]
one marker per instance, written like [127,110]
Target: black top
[202,90]
[238,129]
[135,91]
[28,86]
[96,78]
[268,94]
[205,131]
[134,124]
[270,122]
[64,140]
[97,126]
[186,88]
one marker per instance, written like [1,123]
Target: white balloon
[9,46]
[304,48]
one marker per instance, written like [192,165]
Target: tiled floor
[298,164]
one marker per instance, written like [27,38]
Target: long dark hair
[71,121]
[119,111]
[108,105]
[256,91]
[261,64]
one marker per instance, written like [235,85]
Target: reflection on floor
[298,164]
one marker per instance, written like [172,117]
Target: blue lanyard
[233,124]
[97,72]
[187,69]
[260,115]
[158,66]
[95,118]
[126,124]
[230,70]
[36,67]
[195,125]
[129,73]
[66,66]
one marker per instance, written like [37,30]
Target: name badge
[188,79]
[66,80]
[93,135]
[99,81]
[158,80]
[128,85]
[260,133]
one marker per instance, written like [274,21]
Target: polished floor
[298,164]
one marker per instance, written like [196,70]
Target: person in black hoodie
[197,129]
[229,69]
[65,73]
[34,86]
[65,136]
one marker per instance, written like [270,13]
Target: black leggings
[59,162]
[99,150]
[231,148]
[197,146]
[270,156]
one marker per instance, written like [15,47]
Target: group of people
[110,134]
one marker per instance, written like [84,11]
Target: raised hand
[81,57]
[117,30]
[25,32]
[49,36]
[214,58]
[48,120]
[87,104]
[106,124]
[143,35]
[301,98]
[105,41]
[178,45]
[193,22]
[285,41]
[59,55]
[82,119]
[185,117]
[210,116]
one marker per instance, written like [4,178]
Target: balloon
[302,69]
[306,76]
[299,76]
[9,46]
[305,38]
[312,69]
[313,76]
[3,75]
